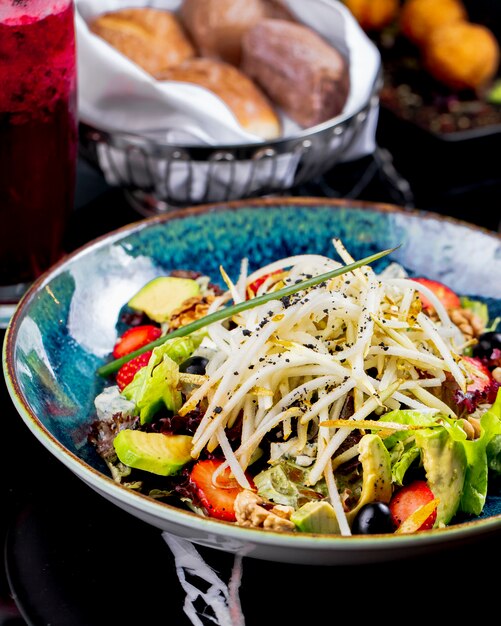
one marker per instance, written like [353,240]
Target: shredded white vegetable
[289,364]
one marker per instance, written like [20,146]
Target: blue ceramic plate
[65,327]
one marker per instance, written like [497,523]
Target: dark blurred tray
[434,162]
[449,172]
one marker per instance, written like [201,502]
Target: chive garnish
[229,311]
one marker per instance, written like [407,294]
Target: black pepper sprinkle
[235,373]
[251,367]
[218,409]
[246,332]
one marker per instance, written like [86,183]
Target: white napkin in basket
[116,94]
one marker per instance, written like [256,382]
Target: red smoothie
[38,136]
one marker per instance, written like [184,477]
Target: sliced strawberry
[216,498]
[135,338]
[481,387]
[127,372]
[409,499]
[254,286]
[447,297]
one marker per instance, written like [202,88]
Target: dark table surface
[73,559]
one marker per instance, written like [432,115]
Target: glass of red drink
[38,140]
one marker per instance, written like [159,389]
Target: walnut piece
[249,511]
[467,321]
[192,309]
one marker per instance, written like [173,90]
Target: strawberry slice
[254,286]
[409,499]
[127,372]
[216,498]
[135,338]
[481,388]
[447,297]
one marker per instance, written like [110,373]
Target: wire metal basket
[157,176]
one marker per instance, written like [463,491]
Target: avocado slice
[376,465]
[153,452]
[162,295]
[444,461]
[316,517]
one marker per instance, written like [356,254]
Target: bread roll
[152,38]
[246,101]
[462,55]
[278,9]
[419,18]
[374,15]
[300,71]
[216,26]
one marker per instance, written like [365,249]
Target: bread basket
[158,176]
[162,169]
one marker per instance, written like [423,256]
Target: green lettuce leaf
[404,455]
[414,418]
[476,481]
[481,453]
[493,451]
[493,448]
[400,467]
[156,385]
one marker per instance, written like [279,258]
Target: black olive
[194,365]
[373,518]
[487,342]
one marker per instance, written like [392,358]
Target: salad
[356,403]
